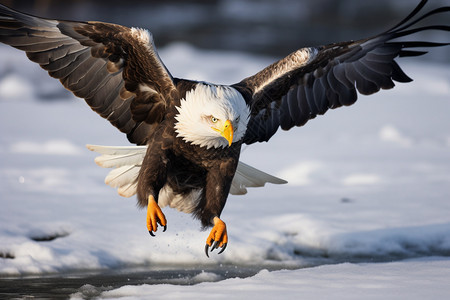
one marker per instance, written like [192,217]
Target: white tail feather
[127,161]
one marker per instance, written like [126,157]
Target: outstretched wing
[114,68]
[312,80]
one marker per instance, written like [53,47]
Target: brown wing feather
[312,80]
[114,68]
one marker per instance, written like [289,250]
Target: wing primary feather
[63,68]
[398,74]
[303,106]
[285,115]
[105,94]
[433,12]
[368,80]
[408,53]
[381,67]
[347,92]
[381,79]
[416,10]
[420,29]
[339,72]
[291,100]
[319,92]
[44,57]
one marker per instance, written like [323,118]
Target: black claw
[165,228]
[223,248]
[151,233]
[215,245]
[206,250]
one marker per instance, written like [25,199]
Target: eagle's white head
[212,116]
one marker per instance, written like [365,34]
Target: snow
[342,281]
[50,147]
[365,213]
[391,134]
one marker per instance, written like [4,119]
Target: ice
[368,183]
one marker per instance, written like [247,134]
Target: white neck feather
[223,102]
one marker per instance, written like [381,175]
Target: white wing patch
[147,89]
[142,34]
[293,61]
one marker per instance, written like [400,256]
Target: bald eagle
[189,134]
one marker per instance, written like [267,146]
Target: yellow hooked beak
[226,131]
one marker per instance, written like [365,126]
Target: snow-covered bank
[416,279]
[367,183]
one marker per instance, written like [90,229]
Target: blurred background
[267,27]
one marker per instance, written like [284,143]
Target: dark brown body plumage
[185,167]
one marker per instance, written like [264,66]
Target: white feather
[247,176]
[114,161]
[294,61]
[204,101]
[113,157]
[122,176]
[186,203]
[116,149]
[126,160]
[128,190]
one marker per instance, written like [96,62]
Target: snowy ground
[367,209]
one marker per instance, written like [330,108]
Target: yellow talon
[154,216]
[218,236]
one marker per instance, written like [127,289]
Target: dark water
[91,284]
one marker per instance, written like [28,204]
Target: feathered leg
[218,183]
[151,178]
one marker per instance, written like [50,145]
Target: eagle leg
[154,216]
[218,237]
